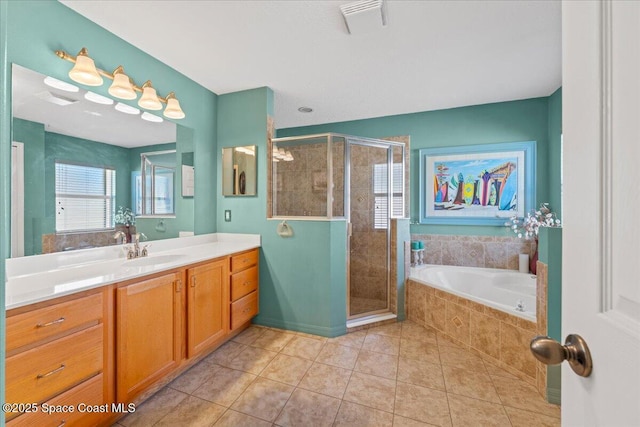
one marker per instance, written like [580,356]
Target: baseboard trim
[323,331]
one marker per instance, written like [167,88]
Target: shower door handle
[575,351]
[349,229]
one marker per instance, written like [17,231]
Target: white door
[601,209]
[17,199]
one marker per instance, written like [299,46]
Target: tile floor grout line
[348,373]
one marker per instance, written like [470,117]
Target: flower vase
[533,260]
[127,233]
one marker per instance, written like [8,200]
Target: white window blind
[85,197]
[381,194]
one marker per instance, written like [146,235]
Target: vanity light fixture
[127,109]
[173,110]
[122,87]
[245,150]
[151,117]
[149,99]
[85,72]
[98,99]
[281,154]
[59,84]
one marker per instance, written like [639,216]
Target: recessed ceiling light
[128,109]
[151,117]
[98,99]
[59,84]
[305,109]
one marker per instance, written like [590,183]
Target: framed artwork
[477,184]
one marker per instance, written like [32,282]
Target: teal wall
[514,121]
[30,31]
[555,152]
[302,278]
[403,235]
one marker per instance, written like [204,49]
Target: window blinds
[85,197]
[381,194]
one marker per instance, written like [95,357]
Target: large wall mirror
[239,171]
[77,160]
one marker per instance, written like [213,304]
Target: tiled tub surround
[71,241]
[474,251]
[542,279]
[498,337]
[400,375]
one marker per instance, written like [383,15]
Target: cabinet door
[147,333]
[207,305]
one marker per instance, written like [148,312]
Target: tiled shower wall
[368,244]
[301,184]
[474,251]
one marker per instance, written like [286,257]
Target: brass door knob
[575,351]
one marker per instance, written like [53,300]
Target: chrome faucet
[136,245]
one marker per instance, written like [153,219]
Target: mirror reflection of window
[157,195]
[85,197]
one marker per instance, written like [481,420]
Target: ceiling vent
[364,16]
[55,98]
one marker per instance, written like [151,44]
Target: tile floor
[394,375]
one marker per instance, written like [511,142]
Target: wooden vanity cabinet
[148,333]
[244,288]
[58,354]
[117,343]
[207,305]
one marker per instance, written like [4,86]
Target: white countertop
[42,277]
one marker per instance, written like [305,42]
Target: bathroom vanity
[94,335]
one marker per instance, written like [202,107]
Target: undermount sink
[152,260]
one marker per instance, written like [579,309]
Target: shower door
[369,210]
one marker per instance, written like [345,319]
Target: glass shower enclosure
[355,178]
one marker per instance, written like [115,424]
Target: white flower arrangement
[528,226]
[125,216]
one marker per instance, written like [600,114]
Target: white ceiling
[431,55]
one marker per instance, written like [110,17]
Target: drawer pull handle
[245,260]
[53,322]
[62,423]
[247,283]
[55,371]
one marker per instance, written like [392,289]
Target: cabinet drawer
[244,309]
[44,371]
[89,394]
[244,282]
[241,261]
[31,327]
